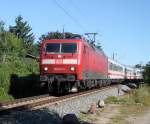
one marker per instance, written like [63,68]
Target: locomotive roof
[60,40]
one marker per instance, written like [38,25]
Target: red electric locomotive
[72,64]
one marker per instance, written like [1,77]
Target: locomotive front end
[59,63]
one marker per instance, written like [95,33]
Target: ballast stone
[101,104]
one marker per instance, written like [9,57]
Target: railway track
[23,102]
[37,102]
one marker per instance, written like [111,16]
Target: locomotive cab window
[52,48]
[61,48]
[68,48]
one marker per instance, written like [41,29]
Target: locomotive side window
[68,48]
[53,48]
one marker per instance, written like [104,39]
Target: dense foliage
[147,73]
[59,35]
[22,30]
[14,45]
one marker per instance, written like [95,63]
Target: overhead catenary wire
[81,12]
[70,16]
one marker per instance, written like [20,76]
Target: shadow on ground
[27,86]
[40,117]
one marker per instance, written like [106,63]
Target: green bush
[15,66]
[5,73]
[4,96]
[116,100]
[140,96]
[146,73]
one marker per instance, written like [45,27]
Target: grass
[133,104]
[90,117]
[139,97]
[118,120]
[130,105]
[4,96]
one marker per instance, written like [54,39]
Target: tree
[23,31]
[58,35]
[2,26]
[147,73]
[10,45]
[1,40]
[138,66]
[1,32]
[51,35]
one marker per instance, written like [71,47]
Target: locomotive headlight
[72,68]
[45,68]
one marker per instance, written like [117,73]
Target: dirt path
[112,110]
[143,119]
[109,112]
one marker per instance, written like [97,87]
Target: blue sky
[123,25]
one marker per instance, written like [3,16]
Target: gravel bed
[82,104]
[54,114]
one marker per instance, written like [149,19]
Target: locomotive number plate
[59,61]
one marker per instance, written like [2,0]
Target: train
[124,72]
[71,65]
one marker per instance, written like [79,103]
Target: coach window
[115,67]
[121,69]
[110,66]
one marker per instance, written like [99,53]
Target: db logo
[59,61]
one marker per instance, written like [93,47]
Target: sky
[123,25]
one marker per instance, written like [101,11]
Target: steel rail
[45,101]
